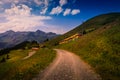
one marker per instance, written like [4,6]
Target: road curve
[67,66]
[29,55]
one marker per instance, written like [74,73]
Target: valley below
[90,51]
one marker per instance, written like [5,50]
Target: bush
[3,60]
[84,32]
[7,57]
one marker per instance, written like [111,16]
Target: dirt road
[67,66]
[29,55]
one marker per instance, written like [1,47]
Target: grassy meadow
[101,49]
[16,68]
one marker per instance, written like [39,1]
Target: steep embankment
[94,23]
[100,48]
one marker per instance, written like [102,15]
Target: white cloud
[40,2]
[18,10]
[19,18]
[20,23]
[75,11]
[56,10]
[46,2]
[1,3]
[62,2]
[44,11]
[11,1]
[67,12]
[53,28]
[1,8]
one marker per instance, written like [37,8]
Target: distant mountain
[11,38]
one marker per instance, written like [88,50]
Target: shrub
[7,57]
[3,60]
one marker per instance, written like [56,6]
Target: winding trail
[29,55]
[67,66]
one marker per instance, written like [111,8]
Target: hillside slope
[100,48]
[94,23]
[18,67]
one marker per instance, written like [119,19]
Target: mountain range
[98,45]
[11,38]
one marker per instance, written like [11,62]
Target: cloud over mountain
[20,18]
[30,15]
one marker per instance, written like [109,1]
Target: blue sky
[57,16]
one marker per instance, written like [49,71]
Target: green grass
[90,25]
[101,49]
[17,69]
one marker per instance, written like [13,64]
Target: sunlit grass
[16,68]
[101,49]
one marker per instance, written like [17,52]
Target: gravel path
[29,55]
[67,66]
